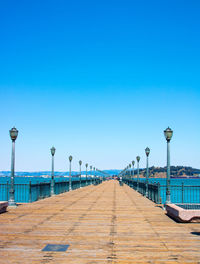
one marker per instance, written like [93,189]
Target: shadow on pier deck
[101,224]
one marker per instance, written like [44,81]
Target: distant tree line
[175,171]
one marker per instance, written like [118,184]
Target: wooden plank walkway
[102,224]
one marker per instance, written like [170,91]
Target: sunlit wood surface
[102,224]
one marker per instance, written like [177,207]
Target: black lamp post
[95,175]
[86,165]
[80,163]
[133,163]
[168,135]
[138,170]
[70,173]
[13,135]
[53,150]
[147,151]
[91,174]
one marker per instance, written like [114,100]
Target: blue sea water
[23,189]
[33,180]
[182,190]
[177,181]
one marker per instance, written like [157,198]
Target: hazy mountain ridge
[56,173]
[175,171]
[157,172]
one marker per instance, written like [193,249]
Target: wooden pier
[101,224]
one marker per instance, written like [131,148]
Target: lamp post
[86,165]
[147,151]
[13,135]
[133,163]
[130,171]
[53,150]
[91,174]
[95,176]
[168,135]
[138,171]
[70,173]
[80,163]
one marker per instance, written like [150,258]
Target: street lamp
[70,173]
[53,150]
[133,163]
[91,174]
[123,173]
[168,135]
[95,176]
[86,165]
[80,163]
[147,151]
[138,171]
[13,135]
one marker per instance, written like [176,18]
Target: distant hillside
[154,172]
[56,173]
[176,171]
[160,172]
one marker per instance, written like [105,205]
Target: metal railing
[183,194]
[31,192]
[38,191]
[153,190]
[21,192]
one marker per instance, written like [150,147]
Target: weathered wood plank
[102,224]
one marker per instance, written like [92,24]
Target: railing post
[158,198]
[7,190]
[182,192]
[38,191]
[30,198]
[55,187]
[151,192]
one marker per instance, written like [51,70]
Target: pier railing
[31,192]
[182,193]
[152,190]
[157,193]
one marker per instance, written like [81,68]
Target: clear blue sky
[99,80]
